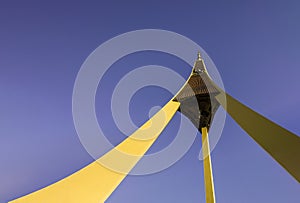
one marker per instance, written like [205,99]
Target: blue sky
[254,44]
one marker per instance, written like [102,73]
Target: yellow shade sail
[281,144]
[96,182]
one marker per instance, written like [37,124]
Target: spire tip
[199,56]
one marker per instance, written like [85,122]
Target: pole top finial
[199,56]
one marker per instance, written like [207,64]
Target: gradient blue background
[254,44]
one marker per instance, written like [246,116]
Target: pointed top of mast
[199,56]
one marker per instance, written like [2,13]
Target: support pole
[208,175]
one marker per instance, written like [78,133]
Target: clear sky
[254,44]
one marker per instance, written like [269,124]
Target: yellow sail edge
[97,181]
